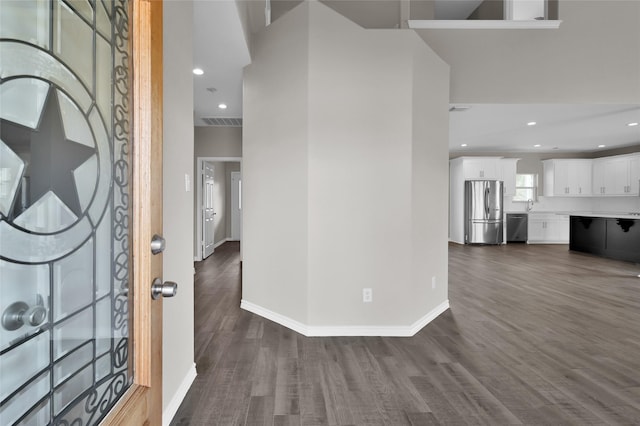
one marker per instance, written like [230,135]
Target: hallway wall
[178,365]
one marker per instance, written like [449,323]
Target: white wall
[593,57]
[274,273]
[340,169]
[178,365]
[217,142]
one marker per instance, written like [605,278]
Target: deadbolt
[158,244]
[166,289]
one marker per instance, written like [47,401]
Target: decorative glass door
[64,210]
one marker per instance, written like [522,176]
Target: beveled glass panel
[83,7]
[76,127]
[73,42]
[18,59]
[27,397]
[48,214]
[23,362]
[73,282]
[40,248]
[103,366]
[103,263]
[11,168]
[102,20]
[104,84]
[71,389]
[39,415]
[73,362]
[26,20]
[104,165]
[73,332]
[85,179]
[103,326]
[22,99]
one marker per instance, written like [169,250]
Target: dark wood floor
[535,335]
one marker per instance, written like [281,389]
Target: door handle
[19,313]
[166,289]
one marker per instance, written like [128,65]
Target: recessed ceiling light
[222,106]
[632,124]
[537,145]
[463,145]
[531,123]
[601,146]
[198,71]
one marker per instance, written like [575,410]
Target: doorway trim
[198,231]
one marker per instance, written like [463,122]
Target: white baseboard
[358,330]
[172,408]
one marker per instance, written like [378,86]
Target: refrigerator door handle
[486,202]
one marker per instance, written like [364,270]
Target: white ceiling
[220,49]
[501,127]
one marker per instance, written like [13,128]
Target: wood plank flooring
[536,335]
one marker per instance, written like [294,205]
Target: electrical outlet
[367,295]
[433,282]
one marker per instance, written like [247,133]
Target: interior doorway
[236,206]
[208,212]
[217,205]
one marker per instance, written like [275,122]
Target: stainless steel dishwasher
[517,227]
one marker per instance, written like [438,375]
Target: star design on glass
[51,156]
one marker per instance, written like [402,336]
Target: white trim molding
[479,24]
[356,330]
[172,408]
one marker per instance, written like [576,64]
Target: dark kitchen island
[612,236]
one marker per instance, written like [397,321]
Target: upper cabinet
[509,175]
[567,177]
[481,168]
[617,176]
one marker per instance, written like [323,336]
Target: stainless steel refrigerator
[483,216]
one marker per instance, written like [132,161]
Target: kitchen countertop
[626,215]
[622,215]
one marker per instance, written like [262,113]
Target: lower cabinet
[613,238]
[547,228]
[587,234]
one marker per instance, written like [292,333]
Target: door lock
[166,289]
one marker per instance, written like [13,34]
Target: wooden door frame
[142,403]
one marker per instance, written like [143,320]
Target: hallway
[535,335]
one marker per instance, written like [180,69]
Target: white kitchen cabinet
[509,175]
[616,176]
[548,228]
[568,177]
[481,168]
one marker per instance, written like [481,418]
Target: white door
[208,225]
[236,206]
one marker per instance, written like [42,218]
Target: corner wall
[363,168]
[178,369]
[274,168]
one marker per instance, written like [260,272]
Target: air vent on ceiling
[223,122]
[458,108]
